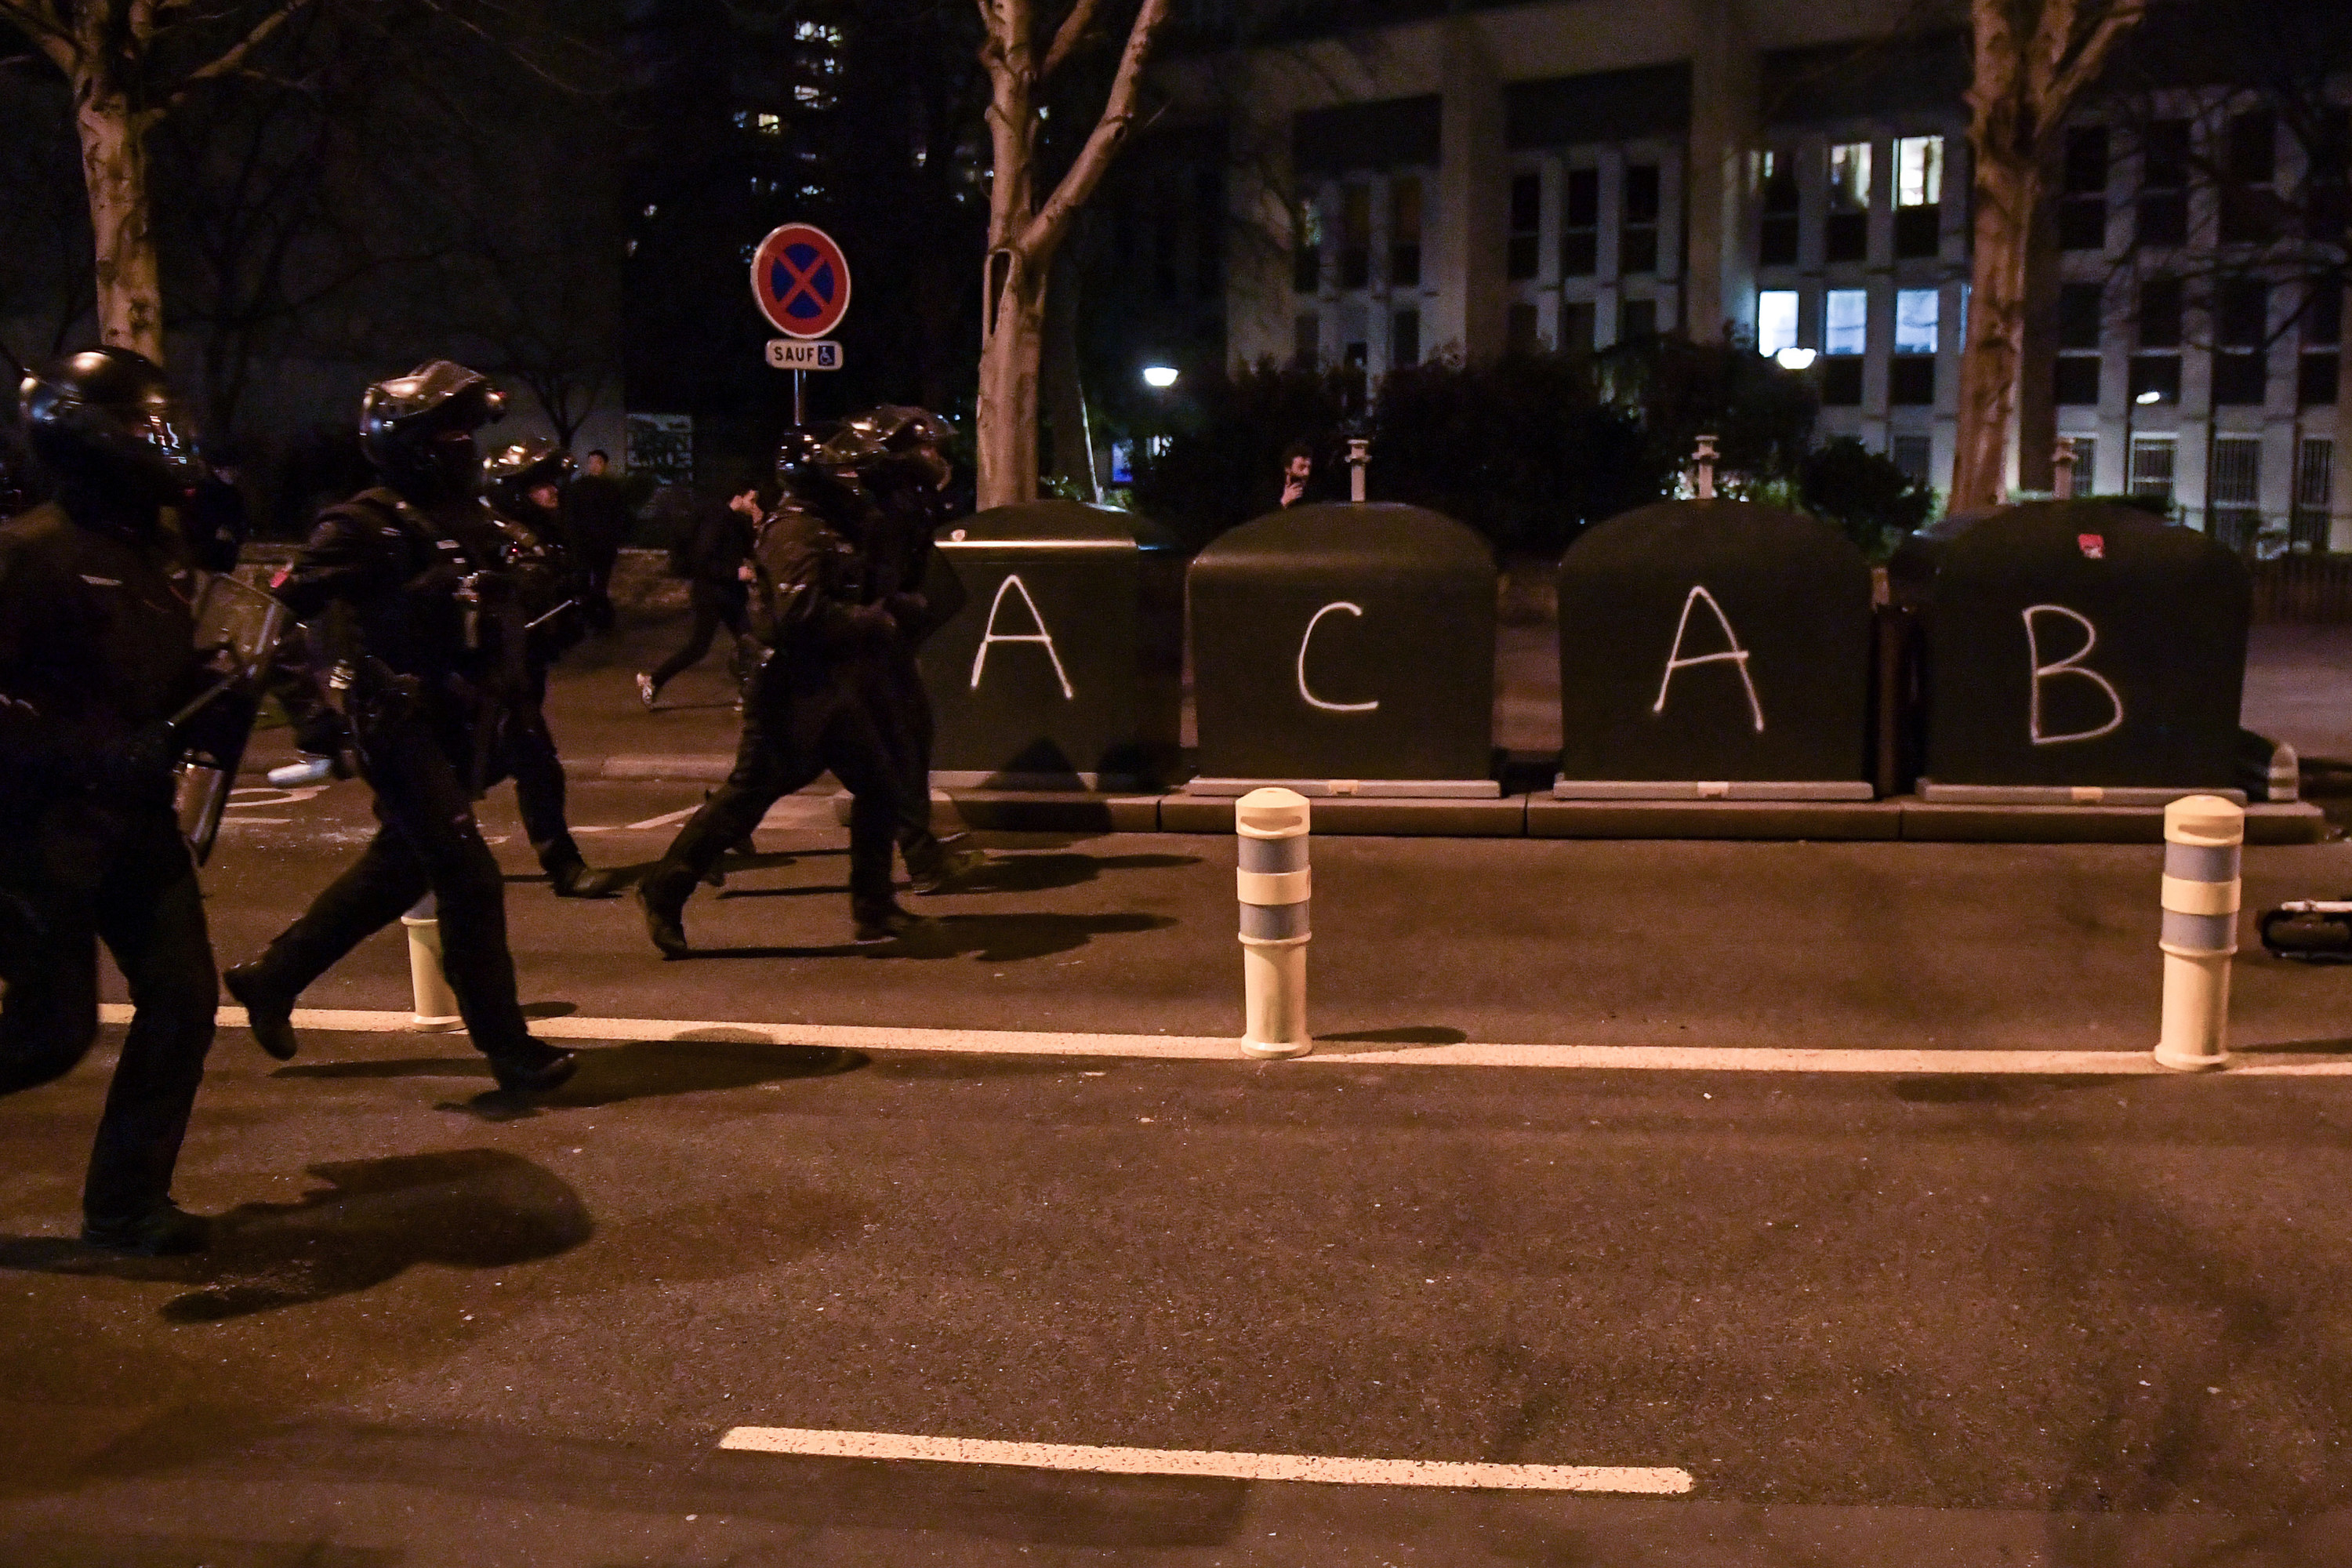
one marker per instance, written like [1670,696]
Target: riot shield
[237,632]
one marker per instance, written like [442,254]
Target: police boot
[166,1230]
[935,864]
[885,921]
[568,871]
[533,1066]
[268,1012]
[662,894]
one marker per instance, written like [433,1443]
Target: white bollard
[1276,886]
[2203,834]
[436,1005]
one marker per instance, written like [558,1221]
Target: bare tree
[132,63]
[1024,232]
[2033,59]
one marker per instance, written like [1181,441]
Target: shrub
[1866,495]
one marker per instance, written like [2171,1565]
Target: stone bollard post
[1275,885]
[2203,834]
[436,1005]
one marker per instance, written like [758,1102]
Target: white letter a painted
[992,636]
[1736,656]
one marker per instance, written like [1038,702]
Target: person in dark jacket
[808,707]
[525,482]
[96,658]
[437,652]
[600,525]
[716,591]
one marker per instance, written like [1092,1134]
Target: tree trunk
[2007,189]
[1011,346]
[114,170]
[1064,384]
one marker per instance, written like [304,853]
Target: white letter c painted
[1313,701]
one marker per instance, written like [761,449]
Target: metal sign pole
[800,398]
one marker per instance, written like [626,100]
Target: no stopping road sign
[801,280]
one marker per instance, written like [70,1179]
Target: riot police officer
[436,652]
[808,706]
[906,480]
[96,656]
[525,482]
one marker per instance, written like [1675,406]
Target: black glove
[138,767]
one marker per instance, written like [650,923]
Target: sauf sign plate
[785,353]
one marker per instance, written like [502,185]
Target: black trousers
[908,728]
[428,841]
[539,775]
[796,726]
[712,607]
[72,877]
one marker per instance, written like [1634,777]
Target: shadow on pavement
[993,939]
[635,1070]
[45,1549]
[1415,1035]
[463,1208]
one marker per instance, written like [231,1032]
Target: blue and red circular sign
[801,280]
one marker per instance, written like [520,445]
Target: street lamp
[1795,359]
[1160,377]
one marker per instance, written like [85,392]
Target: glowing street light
[2150,395]
[1795,359]
[1160,377]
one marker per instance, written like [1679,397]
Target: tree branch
[1069,35]
[234,57]
[1044,231]
[50,36]
[2121,18]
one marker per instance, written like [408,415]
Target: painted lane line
[663,820]
[1238,1466]
[2254,1063]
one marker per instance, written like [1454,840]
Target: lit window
[1850,176]
[769,124]
[1918,171]
[1846,321]
[1776,320]
[651,209]
[815,97]
[1914,321]
[816,32]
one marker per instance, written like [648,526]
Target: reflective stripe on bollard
[2203,838]
[1276,886]
[436,1005]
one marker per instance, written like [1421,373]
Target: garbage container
[1715,648]
[1349,642]
[1064,668]
[2070,646]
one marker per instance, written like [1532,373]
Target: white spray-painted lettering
[1735,656]
[992,636]
[1313,701]
[2071,665]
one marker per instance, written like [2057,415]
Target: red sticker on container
[2095,547]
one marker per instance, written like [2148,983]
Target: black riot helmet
[828,451]
[418,429]
[910,440]
[104,419]
[512,471]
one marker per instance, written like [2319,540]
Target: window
[1307,258]
[2086,463]
[2327,178]
[2083,204]
[1521,333]
[2317,379]
[1405,232]
[2081,309]
[1637,239]
[1579,324]
[2253,148]
[1914,458]
[2163,218]
[2240,329]
[2075,380]
[1846,321]
[1848,216]
[2151,468]
[1776,320]
[2315,488]
[1404,337]
[1918,193]
[2159,313]
[768,124]
[1911,380]
[1841,382]
[1527,227]
[2234,490]
[1914,321]
[1307,341]
[2322,315]
[1355,236]
[1777,177]
[1637,320]
[1579,236]
[2157,373]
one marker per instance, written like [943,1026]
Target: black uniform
[600,522]
[97,653]
[437,651]
[806,709]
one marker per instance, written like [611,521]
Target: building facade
[1571,174]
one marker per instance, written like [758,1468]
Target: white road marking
[663,820]
[242,821]
[2244,1063]
[1329,1471]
